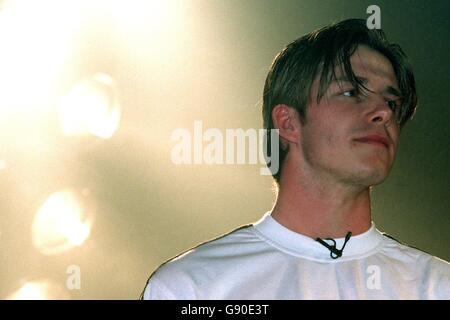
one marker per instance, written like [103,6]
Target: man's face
[352,137]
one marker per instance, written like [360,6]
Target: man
[339,97]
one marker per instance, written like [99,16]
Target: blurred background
[91,92]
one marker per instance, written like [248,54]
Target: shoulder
[415,257]
[225,246]
[407,264]
[189,270]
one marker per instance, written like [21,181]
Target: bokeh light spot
[91,107]
[40,290]
[63,222]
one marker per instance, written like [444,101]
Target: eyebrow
[389,89]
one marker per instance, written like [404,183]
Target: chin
[374,177]
[369,176]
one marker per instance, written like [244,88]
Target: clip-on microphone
[334,252]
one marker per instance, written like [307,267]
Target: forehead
[369,63]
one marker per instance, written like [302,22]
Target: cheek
[332,130]
[326,130]
[328,141]
[394,134]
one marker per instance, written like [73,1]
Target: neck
[322,210]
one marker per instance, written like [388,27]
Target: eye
[349,93]
[392,104]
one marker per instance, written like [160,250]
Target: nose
[380,112]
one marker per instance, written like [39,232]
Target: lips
[375,140]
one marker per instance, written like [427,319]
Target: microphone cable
[334,252]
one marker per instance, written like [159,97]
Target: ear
[286,120]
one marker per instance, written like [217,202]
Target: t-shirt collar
[301,245]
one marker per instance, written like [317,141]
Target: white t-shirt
[265,260]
